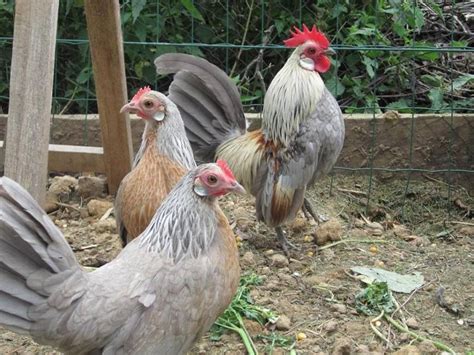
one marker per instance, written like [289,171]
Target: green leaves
[137,7]
[374,299]
[193,11]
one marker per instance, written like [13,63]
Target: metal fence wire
[393,56]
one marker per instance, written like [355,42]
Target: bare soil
[426,227]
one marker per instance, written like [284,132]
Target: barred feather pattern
[290,100]
[194,234]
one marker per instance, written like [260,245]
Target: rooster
[302,129]
[163,158]
[158,296]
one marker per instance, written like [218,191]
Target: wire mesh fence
[393,56]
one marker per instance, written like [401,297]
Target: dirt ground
[313,290]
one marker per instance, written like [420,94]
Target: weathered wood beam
[31,88]
[105,36]
[72,158]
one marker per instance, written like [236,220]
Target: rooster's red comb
[140,92]
[299,37]
[225,168]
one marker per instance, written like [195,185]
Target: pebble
[330,326]
[283,323]
[279,260]
[63,186]
[51,203]
[91,186]
[342,346]
[248,259]
[339,308]
[400,231]
[98,207]
[412,323]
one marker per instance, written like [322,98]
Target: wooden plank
[72,158]
[105,36]
[31,88]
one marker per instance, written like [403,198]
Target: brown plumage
[164,157]
[143,189]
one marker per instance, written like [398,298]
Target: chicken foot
[285,243]
[309,212]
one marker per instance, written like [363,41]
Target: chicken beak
[130,107]
[330,51]
[237,188]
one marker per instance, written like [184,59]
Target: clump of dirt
[426,228]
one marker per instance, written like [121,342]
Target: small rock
[51,203]
[330,326]
[98,207]
[279,260]
[283,323]
[107,225]
[339,308]
[248,259]
[412,323]
[358,233]
[408,350]
[328,231]
[91,186]
[427,347]
[400,231]
[342,346]
[265,270]
[63,186]
[288,279]
[467,231]
[269,252]
[298,224]
[375,226]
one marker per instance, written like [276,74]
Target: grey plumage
[146,301]
[209,102]
[301,137]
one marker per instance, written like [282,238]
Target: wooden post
[31,88]
[105,36]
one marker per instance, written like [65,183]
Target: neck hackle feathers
[299,37]
[141,92]
[225,168]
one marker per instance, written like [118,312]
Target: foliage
[364,77]
[243,306]
[375,298]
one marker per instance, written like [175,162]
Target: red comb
[225,168]
[299,37]
[140,92]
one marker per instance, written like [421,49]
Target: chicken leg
[308,211]
[285,243]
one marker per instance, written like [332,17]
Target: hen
[161,293]
[163,158]
[302,129]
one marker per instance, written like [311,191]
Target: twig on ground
[374,328]
[66,205]
[461,223]
[85,247]
[352,241]
[106,214]
[354,192]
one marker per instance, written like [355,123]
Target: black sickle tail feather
[209,102]
[31,250]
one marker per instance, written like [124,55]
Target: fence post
[31,88]
[105,36]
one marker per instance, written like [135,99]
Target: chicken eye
[212,179]
[148,104]
[312,50]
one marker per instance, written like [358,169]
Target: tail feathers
[32,252]
[209,102]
